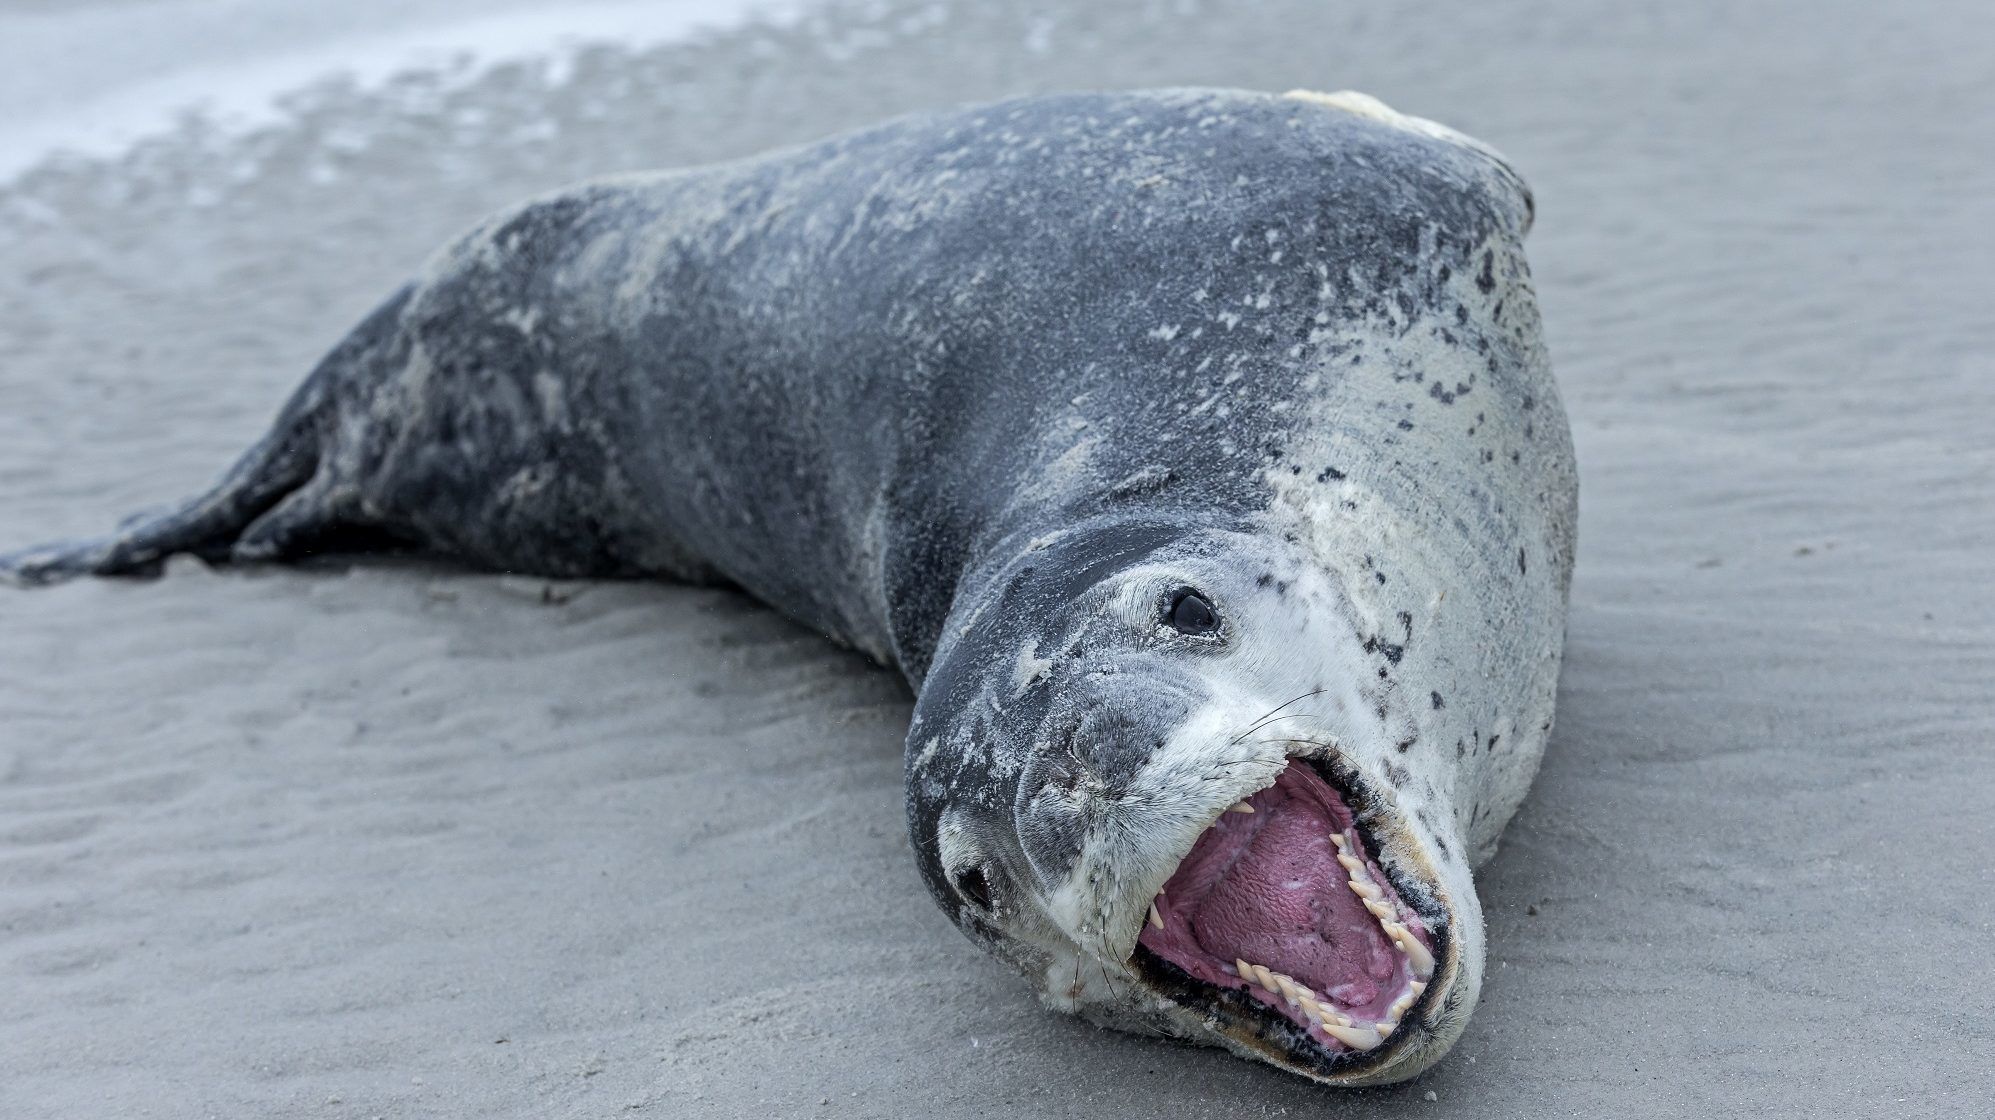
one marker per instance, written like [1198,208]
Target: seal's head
[1160,772]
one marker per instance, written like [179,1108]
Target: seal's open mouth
[1280,899]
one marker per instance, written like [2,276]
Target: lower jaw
[1231,1019]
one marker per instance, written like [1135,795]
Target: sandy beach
[397,840]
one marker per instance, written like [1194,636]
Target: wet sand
[397,840]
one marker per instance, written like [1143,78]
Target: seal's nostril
[972,884]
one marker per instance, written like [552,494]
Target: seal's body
[1185,449]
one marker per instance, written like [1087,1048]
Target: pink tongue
[1267,887]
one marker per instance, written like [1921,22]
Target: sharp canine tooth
[1365,890]
[1240,807]
[1351,865]
[1337,838]
[1416,953]
[1381,911]
[1357,1038]
[1423,961]
[1156,919]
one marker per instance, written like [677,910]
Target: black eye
[1191,614]
[971,884]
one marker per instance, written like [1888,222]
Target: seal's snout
[1086,770]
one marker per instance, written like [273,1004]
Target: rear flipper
[216,526]
[276,502]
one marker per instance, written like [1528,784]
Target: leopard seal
[1193,453]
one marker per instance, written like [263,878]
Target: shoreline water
[78,87]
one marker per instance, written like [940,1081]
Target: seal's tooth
[1337,838]
[1416,953]
[1291,991]
[1319,1011]
[1357,1038]
[1365,890]
[1423,961]
[1254,974]
[1382,911]
[1405,1000]
[1156,919]
[1240,807]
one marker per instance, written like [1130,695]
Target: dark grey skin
[944,390]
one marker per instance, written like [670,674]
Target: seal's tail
[272,503]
